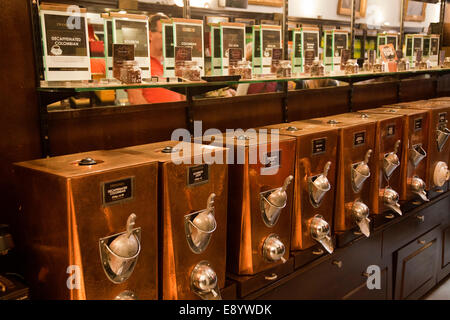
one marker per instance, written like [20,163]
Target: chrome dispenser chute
[319,186]
[360,172]
[391,161]
[418,187]
[360,213]
[320,231]
[119,253]
[391,197]
[200,225]
[273,249]
[273,201]
[204,282]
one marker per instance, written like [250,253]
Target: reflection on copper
[74,246]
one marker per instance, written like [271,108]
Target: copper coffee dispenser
[354,170]
[193,217]
[386,179]
[88,225]
[315,179]
[414,152]
[437,172]
[261,170]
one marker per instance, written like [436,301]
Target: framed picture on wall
[272,3]
[415,11]
[345,8]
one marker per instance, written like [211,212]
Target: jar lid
[129,62]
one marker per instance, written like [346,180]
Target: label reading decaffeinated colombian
[116,191]
[319,146]
[418,124]
[198,174]
[359,139]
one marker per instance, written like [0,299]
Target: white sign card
[65,45]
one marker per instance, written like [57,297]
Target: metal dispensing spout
[360,172]
[273,202]
[319,185]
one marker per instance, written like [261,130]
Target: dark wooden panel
[326,280]
[402,231]
[444,269]
[416,266]
[443,85]
[320,102]
[416,89]
[86,130]
[374,95]
[239,112]
[19,112]
[362,292]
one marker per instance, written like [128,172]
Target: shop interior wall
[19,118]
[378,13]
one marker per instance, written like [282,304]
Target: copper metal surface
[411,137]
[348,154]
[384,143]
[307,165]
[246,229]
[436,109]
[177,199]
[62,217]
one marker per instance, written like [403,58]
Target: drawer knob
[272,277]
[420,218]
[337,263]
[317,252]
[421,241]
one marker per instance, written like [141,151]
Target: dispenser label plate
[198,175]
[390,130]
[359,139]
[117,191]
[418,124]
[442,118]
[319,146]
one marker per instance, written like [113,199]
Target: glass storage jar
[422,65]
[242,68]
[403,65]
[378,66]
[317,68]
[447,62]
[285,69]
[130,72]
[351,67]
[367,66]
[190,71]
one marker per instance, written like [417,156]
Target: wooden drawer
[416,265]
[419,222]
[333,277]
[362,292]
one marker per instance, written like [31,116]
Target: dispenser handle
[367,157]
[397,146]
[326,168]
[286,183]
[210,202]
[131,221]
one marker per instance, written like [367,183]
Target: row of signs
[66,55]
